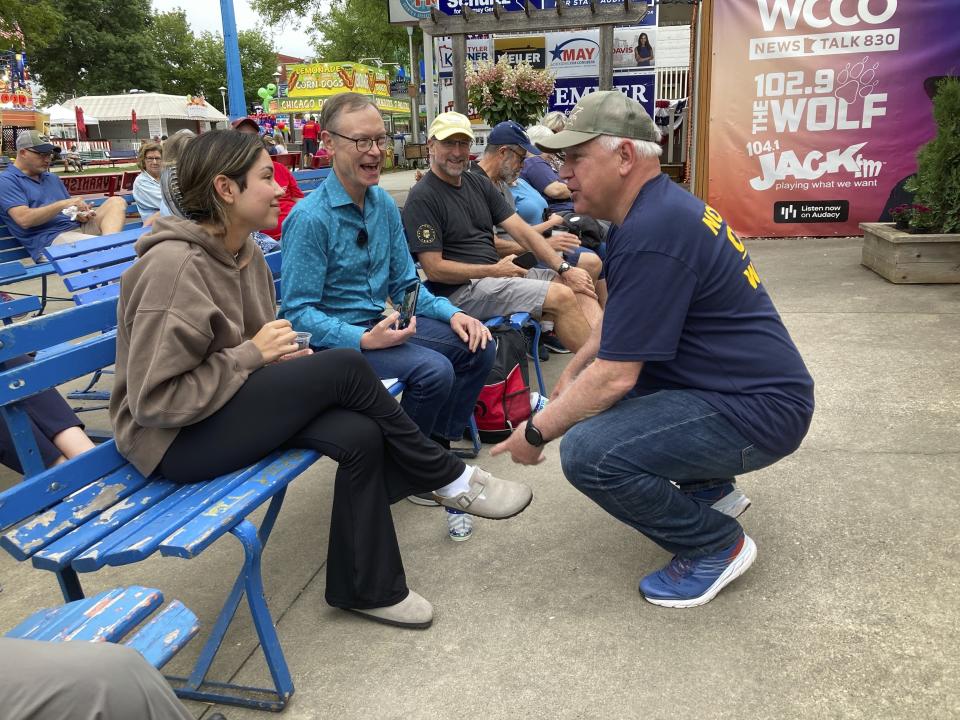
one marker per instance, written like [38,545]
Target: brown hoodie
[187,312]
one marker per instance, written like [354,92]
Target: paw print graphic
[856,81]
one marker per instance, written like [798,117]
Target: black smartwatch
[533,436]
[564,266]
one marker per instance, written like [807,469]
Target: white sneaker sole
[734,570]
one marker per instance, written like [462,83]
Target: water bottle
[537,402]
[459,525]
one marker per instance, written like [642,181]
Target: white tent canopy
[109,108]
[60,115]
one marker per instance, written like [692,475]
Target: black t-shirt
[457,221]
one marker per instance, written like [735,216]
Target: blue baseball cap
[511,133]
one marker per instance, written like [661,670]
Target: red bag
[504,402]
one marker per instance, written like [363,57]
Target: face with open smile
[356,168]
[258,205]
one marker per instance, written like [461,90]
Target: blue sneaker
[686,583]
[726,498]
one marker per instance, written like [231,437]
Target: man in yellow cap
[692,378]
[449,219]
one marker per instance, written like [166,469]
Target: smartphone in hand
[408,307]
[526,260]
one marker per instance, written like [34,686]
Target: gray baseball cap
[35,140]
[606,112]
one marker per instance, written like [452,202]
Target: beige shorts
[89,229]
[489,297]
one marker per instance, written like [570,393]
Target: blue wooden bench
[97,510]
[310,180]
[112,617]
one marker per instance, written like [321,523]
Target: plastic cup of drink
[303,340]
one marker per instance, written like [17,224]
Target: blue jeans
[628,458]
[442,377]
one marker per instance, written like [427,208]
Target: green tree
[174,48]
[351,29]
[38,20]
[104,47]
[208,71]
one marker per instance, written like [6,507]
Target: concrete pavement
[850,610]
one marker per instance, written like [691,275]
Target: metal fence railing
[672,82]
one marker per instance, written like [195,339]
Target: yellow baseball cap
[450,123]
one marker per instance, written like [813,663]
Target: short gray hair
[539,132]
[644,148]
[344,102]
[554,121]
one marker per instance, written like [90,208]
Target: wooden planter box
[904,258]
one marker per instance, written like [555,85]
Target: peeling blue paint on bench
[110,616]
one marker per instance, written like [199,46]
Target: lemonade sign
[312,80]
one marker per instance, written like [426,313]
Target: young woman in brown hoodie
[209,381]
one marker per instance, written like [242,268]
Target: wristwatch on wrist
[564,266]
[533,436]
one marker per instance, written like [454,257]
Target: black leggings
[334,403]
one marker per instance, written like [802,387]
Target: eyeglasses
[519,153]
[364,144]
[42,154]
[362,237]
[459,144]
[153,158]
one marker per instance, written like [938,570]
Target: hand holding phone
[408,308]
[525,260]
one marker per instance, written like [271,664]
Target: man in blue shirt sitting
[33,201]
[692,377]
[345,253]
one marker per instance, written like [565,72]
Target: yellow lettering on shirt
[736,242]
[712,219]
[752,277]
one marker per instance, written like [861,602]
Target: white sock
[546,325]
[460,485]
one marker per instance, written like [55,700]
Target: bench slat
[166,634]
[106,617]
[60,554]
[42,332]
[107,292]
[15,271]
[96,277]
[25,381]
[18,307]
[140,537]
[198,534]
[95,259]
[124,237]
[47,527]
[35,494]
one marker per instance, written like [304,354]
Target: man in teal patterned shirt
[345,253]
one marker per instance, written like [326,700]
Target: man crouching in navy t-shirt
[692,378]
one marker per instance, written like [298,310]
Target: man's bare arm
[596,389]
[27,217]
[452,272]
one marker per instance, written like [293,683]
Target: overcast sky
[205,15]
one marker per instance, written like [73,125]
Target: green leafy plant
[501,92]
[937,182]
